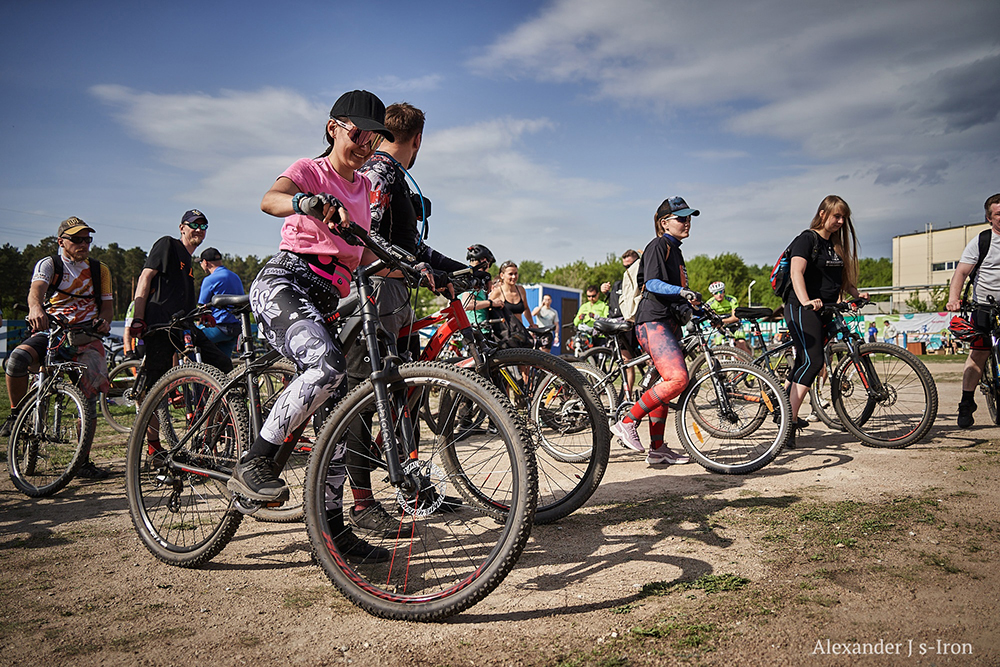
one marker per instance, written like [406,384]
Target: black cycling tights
[808,330]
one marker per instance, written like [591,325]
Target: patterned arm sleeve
[381,178]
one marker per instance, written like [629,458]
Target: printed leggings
[291,305]
[660,340]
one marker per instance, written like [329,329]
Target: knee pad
[18,363]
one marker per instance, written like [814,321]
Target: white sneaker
[628,435]
[664,455]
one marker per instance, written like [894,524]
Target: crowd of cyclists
[361,178]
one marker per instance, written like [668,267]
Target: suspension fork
[384,373]
[866,370]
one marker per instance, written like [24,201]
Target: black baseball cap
[675,206]
[363,109]
[210,255]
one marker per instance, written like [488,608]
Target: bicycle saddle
[542,330]
[754,313]
[229,301]
[611,326]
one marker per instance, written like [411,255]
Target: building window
[944,266]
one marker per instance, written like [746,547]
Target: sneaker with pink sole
[628,435]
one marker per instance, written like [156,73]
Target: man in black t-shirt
[165,288]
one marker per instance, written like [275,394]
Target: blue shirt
[221,281]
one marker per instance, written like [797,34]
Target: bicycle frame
[841,331]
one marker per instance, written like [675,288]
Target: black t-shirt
[173,286]
[825,276]
[614,296]
[662,260]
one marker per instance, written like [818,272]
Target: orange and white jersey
[74,300]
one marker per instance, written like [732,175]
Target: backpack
[985,239]
[781,274]
[631,294]
[95,280]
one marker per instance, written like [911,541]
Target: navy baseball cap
[675,206]
[193,215]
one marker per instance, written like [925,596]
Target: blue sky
[554,129]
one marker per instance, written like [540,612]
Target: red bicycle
[565,418]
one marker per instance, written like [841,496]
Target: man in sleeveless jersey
[73,297]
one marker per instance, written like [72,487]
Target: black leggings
[808,330]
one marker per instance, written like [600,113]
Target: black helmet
[479,252]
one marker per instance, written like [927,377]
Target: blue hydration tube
[423,215]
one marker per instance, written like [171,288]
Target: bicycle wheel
[722,354]
[988,385]
[120,403]
[177,494]
[602,357]
[43,457]
[611,395]
[457,554]
[270,383]
[567,422]
[735,420]
[905,409]
[820,397]
[781,363]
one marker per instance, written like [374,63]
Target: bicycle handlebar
[843,306]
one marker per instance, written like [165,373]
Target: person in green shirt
[725,306]
[591,309]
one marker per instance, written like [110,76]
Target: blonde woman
[824,265]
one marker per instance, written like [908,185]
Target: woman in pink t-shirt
[300,287]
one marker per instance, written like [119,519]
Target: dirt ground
[834,554]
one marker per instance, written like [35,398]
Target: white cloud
[892,105]
[202,132]
[485,186]
[394,84]
[833,76]
[488,190]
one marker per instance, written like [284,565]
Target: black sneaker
[796,425]
[89,471]
[965,410]
[7,426]
[376,520]
[357,550]
[257,479]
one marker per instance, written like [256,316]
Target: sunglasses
[203,226]
[591,296]
[79,239]
[684,220]
[368,138]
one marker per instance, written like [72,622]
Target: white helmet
[717,286]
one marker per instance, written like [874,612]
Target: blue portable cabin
[565,301]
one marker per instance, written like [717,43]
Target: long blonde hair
[845,240]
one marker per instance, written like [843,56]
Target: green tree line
[125,265]
[702,271]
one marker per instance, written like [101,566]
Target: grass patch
[303,598]
[710,583]
[939,561]
[683,635]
